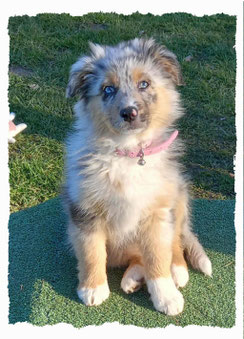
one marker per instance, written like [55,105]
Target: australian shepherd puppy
[125,194]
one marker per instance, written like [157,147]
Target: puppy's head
[128,88]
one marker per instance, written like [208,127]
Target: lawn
[42,49]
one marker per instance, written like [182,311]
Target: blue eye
[109,90]
[143,84]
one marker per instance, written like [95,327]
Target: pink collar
[149,149]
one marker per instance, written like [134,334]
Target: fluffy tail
[195,253]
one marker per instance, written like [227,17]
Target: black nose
[129,113]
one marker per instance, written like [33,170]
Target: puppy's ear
[171,66]
[82,70]
[97,51]
[167,61]
[79,73]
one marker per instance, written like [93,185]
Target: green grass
[42,49]
[43,277]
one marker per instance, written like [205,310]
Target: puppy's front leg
[90,250]
[156,246]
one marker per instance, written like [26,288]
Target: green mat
[43,278]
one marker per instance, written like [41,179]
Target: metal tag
[141,161]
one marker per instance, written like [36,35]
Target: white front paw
[94,296]
[165,296]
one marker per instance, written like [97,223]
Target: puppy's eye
[109,90]
[143,84]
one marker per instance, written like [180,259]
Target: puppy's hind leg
[133,277]
[179,268]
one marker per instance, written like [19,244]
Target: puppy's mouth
[132,119]
[133,125]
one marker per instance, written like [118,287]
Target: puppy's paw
[165,296]
[133,279]
[180,275]
[94,296]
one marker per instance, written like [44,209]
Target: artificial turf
[43,277]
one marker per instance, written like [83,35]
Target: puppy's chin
[130,128]
[131,131]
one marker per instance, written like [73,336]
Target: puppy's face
[128,88]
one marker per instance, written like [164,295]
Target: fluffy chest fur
[130,190]
[117,186]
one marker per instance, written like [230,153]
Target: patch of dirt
[19,70]
[98,27]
